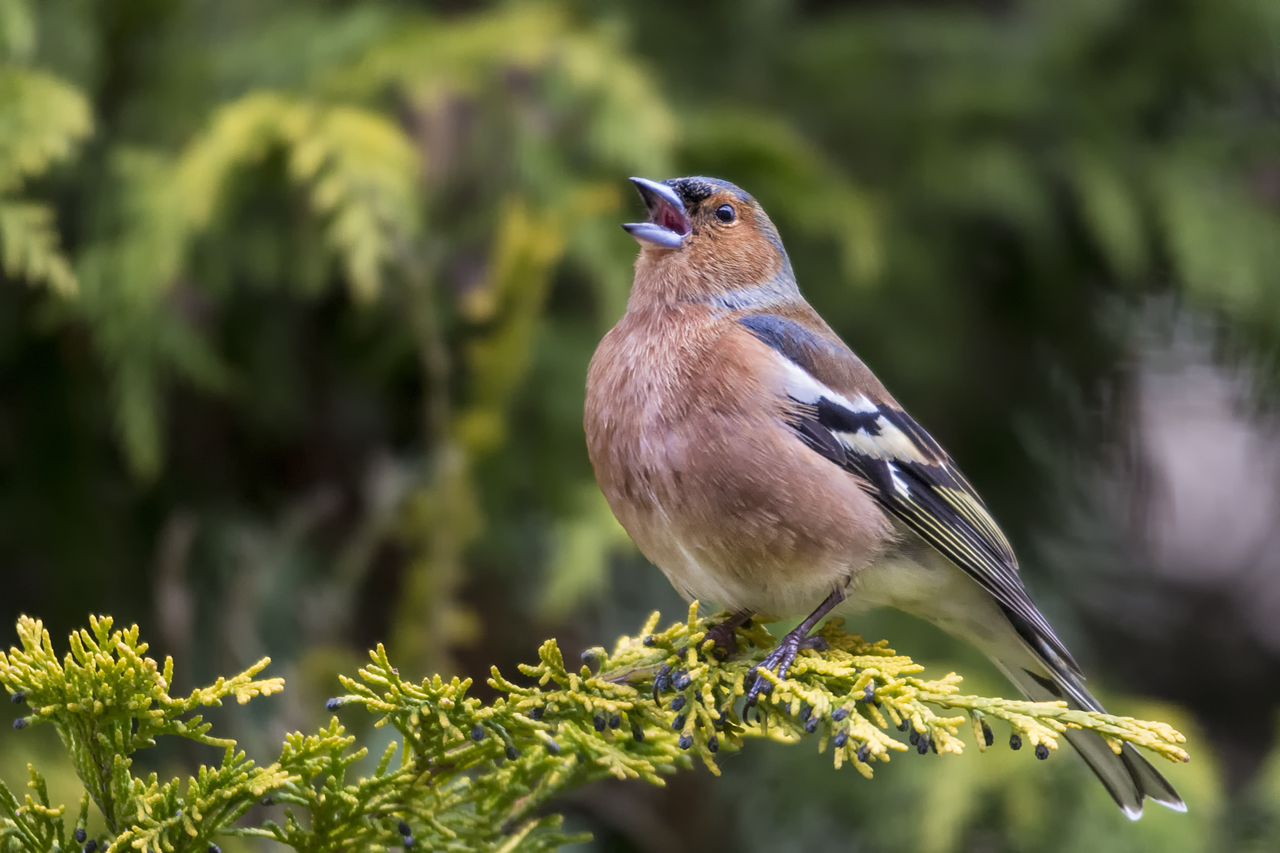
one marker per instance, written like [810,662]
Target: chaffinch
[761,465]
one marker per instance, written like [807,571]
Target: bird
[761,465]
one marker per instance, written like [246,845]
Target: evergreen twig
[475,775]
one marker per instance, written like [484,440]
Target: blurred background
[299,297]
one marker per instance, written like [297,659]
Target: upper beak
[668,223]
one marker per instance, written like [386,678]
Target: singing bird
[761,465]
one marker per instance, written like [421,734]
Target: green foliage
[17,30]
[107,700]
[1034,118]
[358,170]
[581,547]
[41,120]
[29,246]
[475,775]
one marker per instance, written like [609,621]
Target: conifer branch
[473,775]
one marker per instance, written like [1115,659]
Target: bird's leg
[721,633]
[781,658]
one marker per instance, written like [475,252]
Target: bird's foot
[722,634]
[780,660]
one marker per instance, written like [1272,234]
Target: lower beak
[668,223]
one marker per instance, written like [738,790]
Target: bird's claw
[779,662]
[723,636]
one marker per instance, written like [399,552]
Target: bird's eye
[725,213]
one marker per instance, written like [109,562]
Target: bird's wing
[842,412]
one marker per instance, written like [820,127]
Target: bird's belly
[721,569]
[767,529]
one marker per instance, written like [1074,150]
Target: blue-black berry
[678,723]
[686,741]
[988,736]
[841,739]
[615,721]
[637,732]
[91,846]
[677,703]
[869,693]
[1042,751]
[512,753]
[713,744]
[682,680]
[18,698]
[1015,741]
[598,722]
[407,841]
[811,725]
[403,828]
[333,704]
[536,713]
[650,640]
[923,746]
[80,835]
[864,752]
[553,747]
[20,723]
[840,714]
[477,733]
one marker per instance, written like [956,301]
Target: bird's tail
[1127,776]
[930,586]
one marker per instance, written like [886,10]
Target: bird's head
[705,238]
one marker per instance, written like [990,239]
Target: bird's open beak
[668,223]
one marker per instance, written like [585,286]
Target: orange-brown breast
[683,430]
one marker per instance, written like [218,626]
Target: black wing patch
[914,480]
[909,474]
